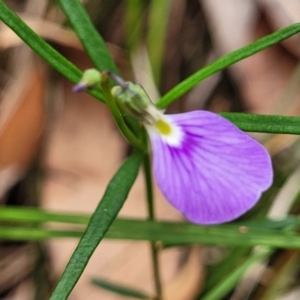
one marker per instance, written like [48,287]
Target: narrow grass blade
[226,61]
[281,234]
[265,123]
[90,38]
[36,215]
[107,210]
[185,233]
[22,233]
[120,289]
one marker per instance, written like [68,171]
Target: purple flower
[206,167]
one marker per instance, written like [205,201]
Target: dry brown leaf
[21,125]
[48,30]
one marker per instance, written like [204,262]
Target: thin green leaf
[90,38]
[22,233]
[280,234]
[36,215]
[264,123]
[226,61]
[288,222]
[107,210]
[185,233]
[42,48]
[120,289]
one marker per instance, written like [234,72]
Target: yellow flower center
[163,127]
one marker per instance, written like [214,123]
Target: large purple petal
[215,173]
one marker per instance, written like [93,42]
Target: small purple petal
[78,88]
[216,173]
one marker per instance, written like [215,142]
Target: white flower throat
[170,133]
[132,99]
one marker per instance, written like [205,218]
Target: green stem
[151,217]
[127,133]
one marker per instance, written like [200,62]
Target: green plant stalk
[268,233]
[264,123]
[226,61]
[111,103]
[23,233]
[107,210]
[35,215]
[151,217]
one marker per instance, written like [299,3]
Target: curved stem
[127,133]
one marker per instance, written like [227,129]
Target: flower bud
[90,78]
[133,100]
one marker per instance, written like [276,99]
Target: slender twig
[151,217]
